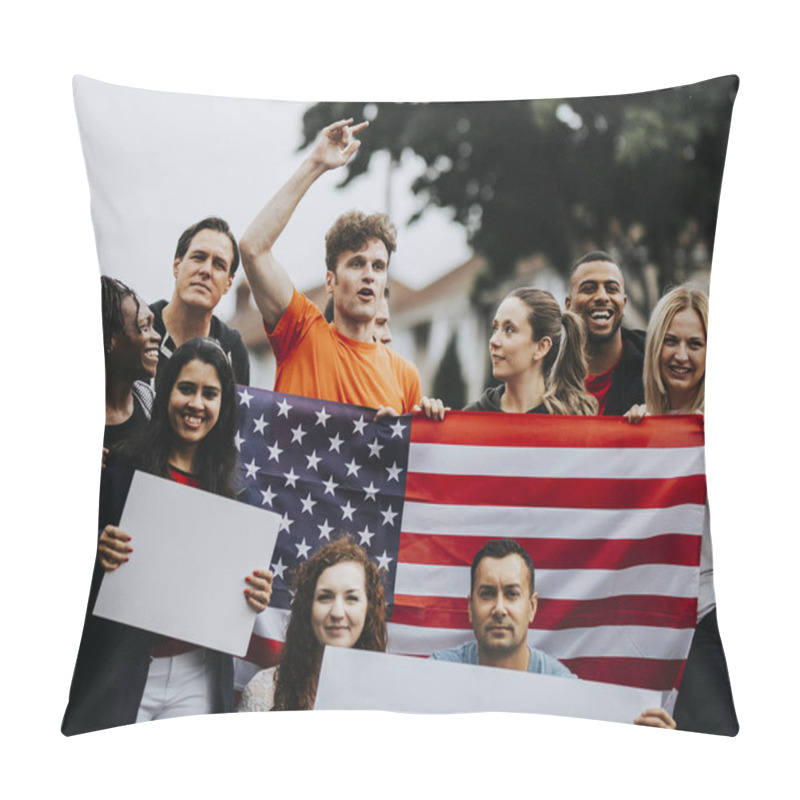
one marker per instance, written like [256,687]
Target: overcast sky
[158,162]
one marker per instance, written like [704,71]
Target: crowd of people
[171,410]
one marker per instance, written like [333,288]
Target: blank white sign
[191,553]
[361,680]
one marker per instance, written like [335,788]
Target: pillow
[488,197]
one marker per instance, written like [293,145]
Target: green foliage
[560,177]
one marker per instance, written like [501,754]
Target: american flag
[611,514]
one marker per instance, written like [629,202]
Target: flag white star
[322,417]
[375,449]
[348,511]
[336,443]
[383,561]
[302,549]
[308,504]
[397,429]
[359,424]
[291,478]
[370,491]
[278,569]
[297,434]
[251,468]
[394,472]
[284,408]
[313,460]
[353,468]
[260,424]
[237,440]
[269,496]
[285,523]
[325,530]
[330,485]
[388,516]
[365,536]
[246,397]
[274,452]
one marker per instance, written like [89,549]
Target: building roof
[456,282]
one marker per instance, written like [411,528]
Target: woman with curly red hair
[339,601]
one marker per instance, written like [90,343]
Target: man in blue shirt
[502,604]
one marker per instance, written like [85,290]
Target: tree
[449,385]
[638,174]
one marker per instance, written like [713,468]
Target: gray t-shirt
[540,662]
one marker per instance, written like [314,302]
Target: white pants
[177,686]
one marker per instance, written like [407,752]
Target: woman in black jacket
[189,439]
[537,352]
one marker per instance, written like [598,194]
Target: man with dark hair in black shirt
[614,355]
[206,258]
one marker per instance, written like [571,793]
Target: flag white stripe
[556,462]
[431,580]
[551,523]
[271,623]
[609,641]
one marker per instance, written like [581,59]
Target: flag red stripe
[458,551]
[644,610]
[490,490]
[642,673]
[549,430]
[262,651]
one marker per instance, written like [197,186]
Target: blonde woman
[674,383]
[675,355]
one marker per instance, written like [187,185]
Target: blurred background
[487,196]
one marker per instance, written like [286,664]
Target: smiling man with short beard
[614,355]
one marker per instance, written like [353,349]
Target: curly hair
[298,670]
[113,294]
[674,301]
[215,460]
[352,231]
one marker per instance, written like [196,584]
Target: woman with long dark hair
[339,601]
[674,383]
[538,353]
[125,674]
[130,344]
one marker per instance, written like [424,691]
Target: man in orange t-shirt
[337,361]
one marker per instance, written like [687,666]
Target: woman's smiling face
[339,610]
[194,402]
[134,352]
[682,361]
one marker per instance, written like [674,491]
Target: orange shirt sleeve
[293,326]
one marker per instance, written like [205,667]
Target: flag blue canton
[327,469]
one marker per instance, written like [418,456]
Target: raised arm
[269,282]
